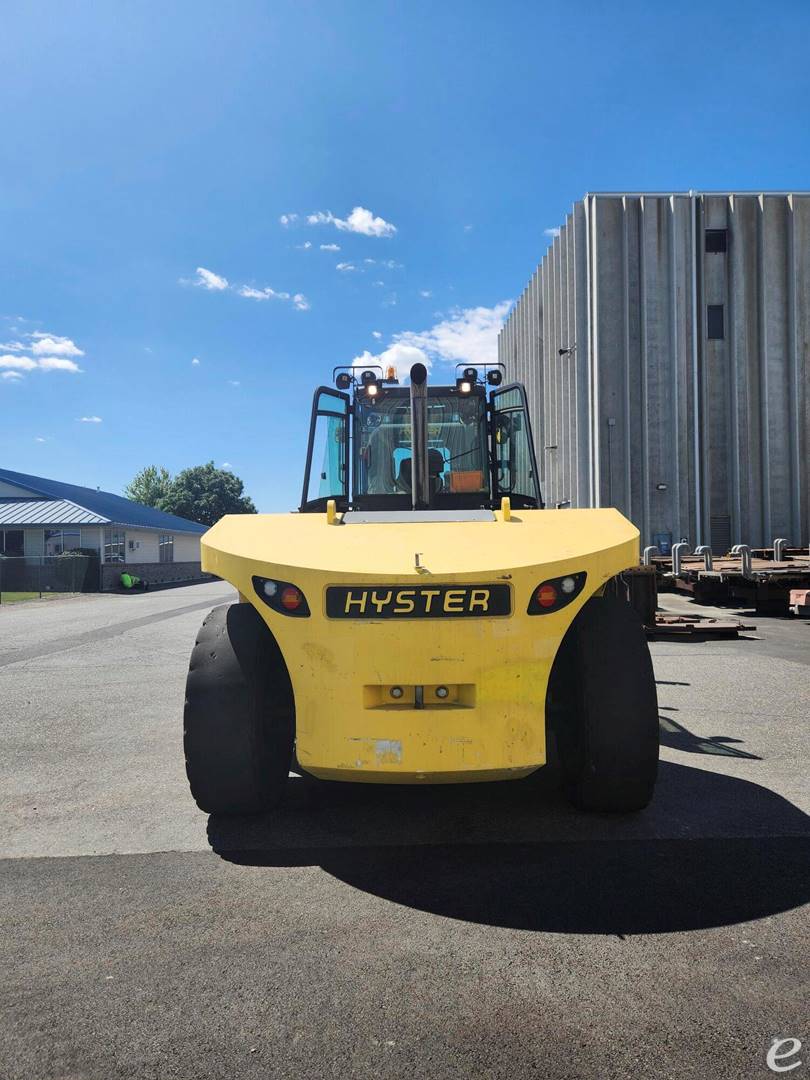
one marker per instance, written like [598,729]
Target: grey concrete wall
[689,436]
[154,573]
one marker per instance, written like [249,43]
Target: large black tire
[603,694]
[239,718]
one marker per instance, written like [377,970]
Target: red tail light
[546,595]
[291,598]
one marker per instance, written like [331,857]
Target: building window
[715,323]
[58,541]
[716,241]
[12,543]
[114,543]
[167,549]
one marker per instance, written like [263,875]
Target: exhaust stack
[420,478]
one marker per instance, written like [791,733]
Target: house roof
[103,507]
[20,512]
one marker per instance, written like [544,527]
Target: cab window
[457,445]
[513,451]
[327,455]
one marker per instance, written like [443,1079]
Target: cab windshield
[457,445]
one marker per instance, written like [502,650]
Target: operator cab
[375,444]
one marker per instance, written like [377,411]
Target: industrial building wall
[667,379]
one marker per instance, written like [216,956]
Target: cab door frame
[517,499]
[341,412]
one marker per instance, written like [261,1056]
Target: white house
[46,517]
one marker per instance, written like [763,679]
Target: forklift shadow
[711,850]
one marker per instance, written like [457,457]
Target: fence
[44,574]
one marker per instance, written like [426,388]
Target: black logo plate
[417,601]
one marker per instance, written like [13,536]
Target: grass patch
[17,597]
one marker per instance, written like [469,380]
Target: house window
[716,241]
[114,543]
[58,541]
[12,543]
[167,549]
[715,323]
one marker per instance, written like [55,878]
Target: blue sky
[141,142]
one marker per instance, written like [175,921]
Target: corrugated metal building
[664,341]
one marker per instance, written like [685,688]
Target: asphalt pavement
[362,931]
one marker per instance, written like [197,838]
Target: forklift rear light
[281,596]
[291,598]
[556,593]
[547,596]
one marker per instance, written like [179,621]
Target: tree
[204,493]
[149,486]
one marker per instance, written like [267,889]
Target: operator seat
[435,465]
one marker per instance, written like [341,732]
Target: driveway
[478,931]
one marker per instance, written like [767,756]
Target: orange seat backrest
[466,480]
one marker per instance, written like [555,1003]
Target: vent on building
[715,328]
[716,241]
[720,527]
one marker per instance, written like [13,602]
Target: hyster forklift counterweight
[422,619]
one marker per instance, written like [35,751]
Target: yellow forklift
[422,618]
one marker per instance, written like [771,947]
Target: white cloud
[359,220]
[211,281]
[234,382]
[305,246]
[551,232]
[378,284]
[468,228]
[207,279]
[58,363]
[40,438]
[255,294]
[425,294]
[468,335]
[288,219]
[57,351]
[369,262]
[345,267]
[391,264]
[390,301]
[88,419]
[195,362]
[51,345]
[330,247]
[298,300]
[10,375]
[376,334]
[18,363]
[401,357]
[226,465]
